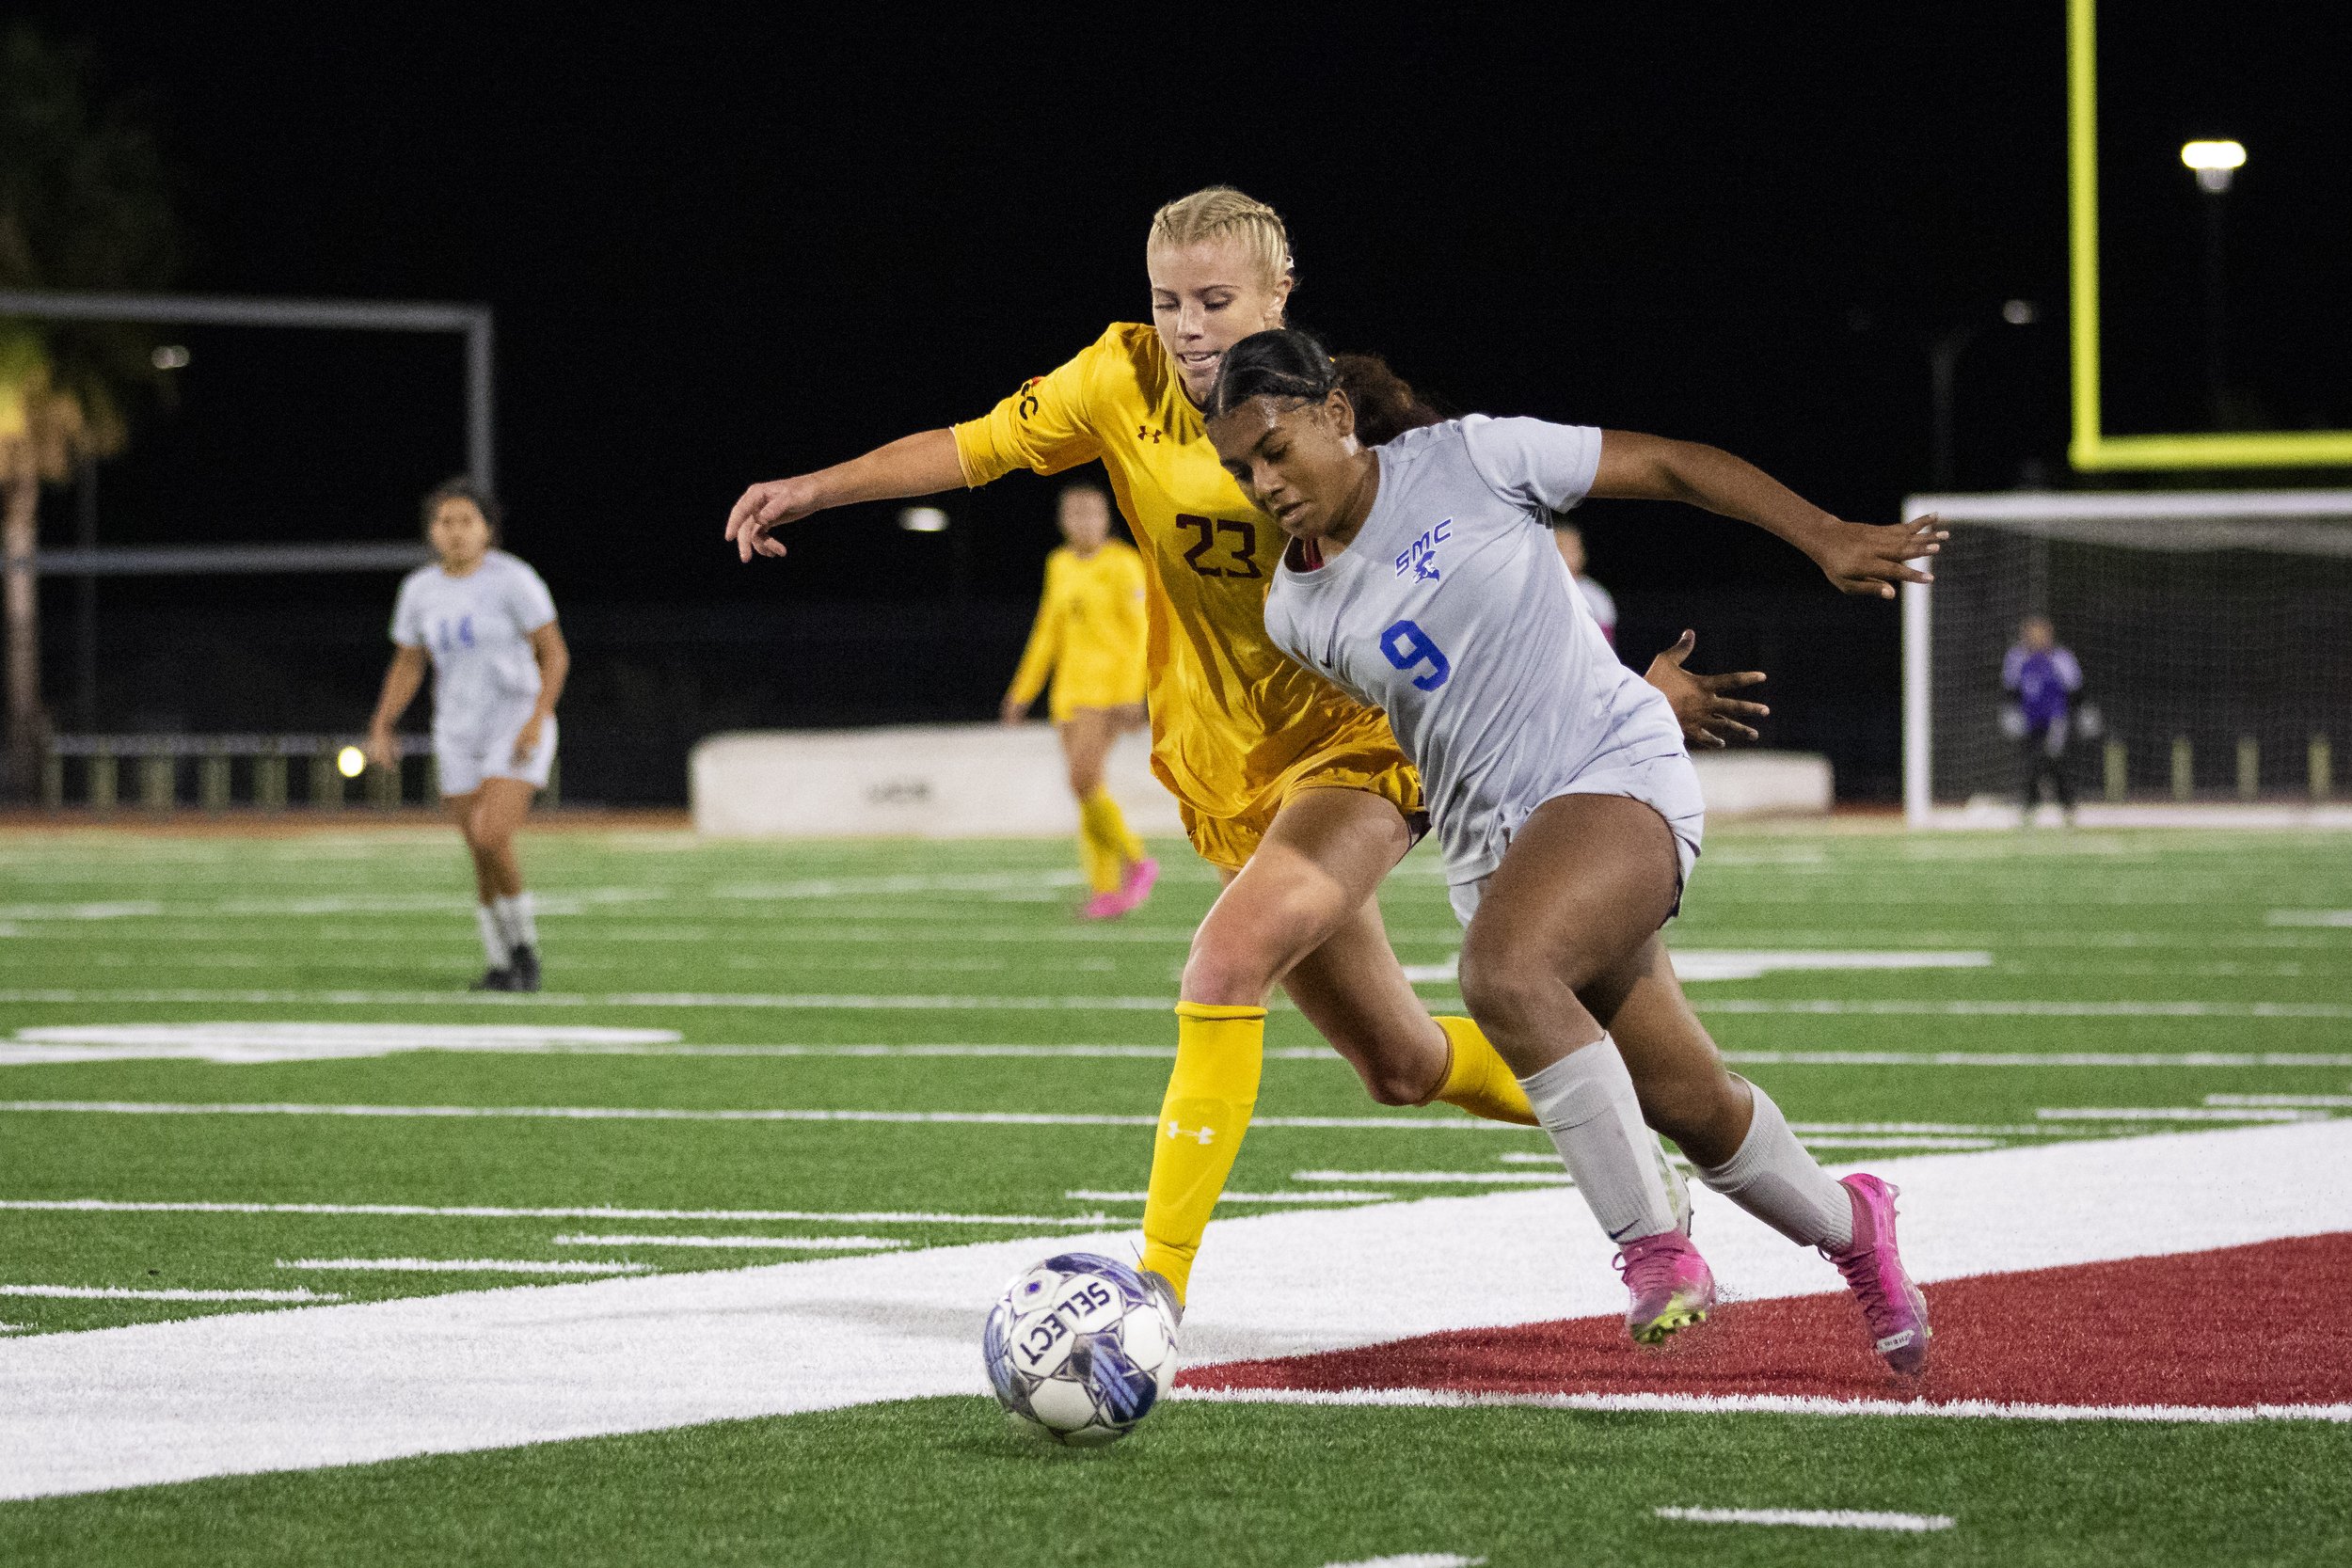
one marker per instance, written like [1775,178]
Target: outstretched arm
[1859,558]
[1709,718]
[919,465]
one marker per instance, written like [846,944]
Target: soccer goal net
[2212,632]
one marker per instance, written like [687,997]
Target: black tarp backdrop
[721,253]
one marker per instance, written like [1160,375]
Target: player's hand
[1861,558]
[1013,712]
[383,748]
[1710,720]
[766,507]
[527,738]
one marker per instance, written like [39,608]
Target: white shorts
[467,760]
[1668,785]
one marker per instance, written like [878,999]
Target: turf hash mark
[1813,1518]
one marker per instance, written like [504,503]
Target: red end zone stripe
[2242,1326]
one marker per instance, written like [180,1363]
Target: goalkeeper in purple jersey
[2043,680]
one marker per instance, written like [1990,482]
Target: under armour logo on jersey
[1420,557]
[1204,1136]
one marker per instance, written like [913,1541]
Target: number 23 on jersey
[1220,547]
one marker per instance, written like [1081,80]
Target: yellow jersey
[1233,719]
[1089,634]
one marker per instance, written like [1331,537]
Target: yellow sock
[1109,824]
[1477,1080]
[1220,1054]
[1099,862]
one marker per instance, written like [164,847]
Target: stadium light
[2216,163]
[923,519]
[351,762]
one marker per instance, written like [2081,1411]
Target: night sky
[721,254]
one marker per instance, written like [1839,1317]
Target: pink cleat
[1891,1304]
[1670,1283]
[1133,889]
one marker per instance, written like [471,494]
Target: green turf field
[999,1064]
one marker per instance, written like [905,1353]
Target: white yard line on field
[1087,1194]
[240,1043]
[2337,918]
[1813,1518]
[243,1393]
[655,1113]
[461,1265]
[819,1002]
[1693,964]
[2336,1102]
[2177,1113]
[772,1244]
[1412,1560]
[1440,1178]
[1888,1008]
[107,1292]
[2042,1059]
[859,1002]
[1892,1140]
[494,1212]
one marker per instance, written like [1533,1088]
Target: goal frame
[2159,506]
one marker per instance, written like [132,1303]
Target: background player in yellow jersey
[1296,792]
[1089,640]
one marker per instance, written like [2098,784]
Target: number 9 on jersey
[1409,647]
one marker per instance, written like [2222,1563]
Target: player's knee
[1503,983]
[1085,781]
[1397,1083]
[1227,972]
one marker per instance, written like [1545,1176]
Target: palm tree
[84,204]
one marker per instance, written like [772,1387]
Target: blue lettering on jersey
[1420,557]
[1408,648]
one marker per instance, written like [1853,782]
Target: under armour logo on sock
[1204,1135]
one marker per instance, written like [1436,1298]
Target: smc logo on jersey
[1420,557]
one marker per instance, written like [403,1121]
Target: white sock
[493,938]
[1586,1100]
[518,919]
[1772,1177]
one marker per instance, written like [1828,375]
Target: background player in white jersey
[487,624]
[1724,722]
[1598,599]
[1421,581]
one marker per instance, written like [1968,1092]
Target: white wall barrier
[986,781]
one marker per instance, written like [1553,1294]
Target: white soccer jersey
[477,629]
[1452,612]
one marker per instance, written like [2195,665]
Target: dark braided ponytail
[1386,404]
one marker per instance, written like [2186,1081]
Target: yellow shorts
[1126,711]
[1374,766]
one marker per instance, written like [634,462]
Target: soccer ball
[1080,1349]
